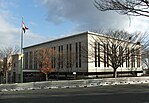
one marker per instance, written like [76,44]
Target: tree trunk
[6,77]
[57,75]
[46,77]
[115,73]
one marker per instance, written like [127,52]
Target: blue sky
[51,19]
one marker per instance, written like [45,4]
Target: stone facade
[75,60]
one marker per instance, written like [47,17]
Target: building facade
[10,69]
[72,56]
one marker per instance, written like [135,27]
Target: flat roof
[70,36]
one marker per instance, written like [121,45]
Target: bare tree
[124,7]
[46,60]
[145,58]
[5,55]
[1,70]
[69,61]
[8,51]
[116,48]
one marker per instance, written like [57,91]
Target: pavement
[74,83]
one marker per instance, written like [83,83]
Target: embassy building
[78,55]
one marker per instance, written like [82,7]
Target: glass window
[31,60]
[80,54]
[76,55]
[26,60]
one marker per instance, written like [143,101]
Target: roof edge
[71,35]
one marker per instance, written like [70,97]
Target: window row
[61,57]
[106,54]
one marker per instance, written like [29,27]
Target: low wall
[73,83]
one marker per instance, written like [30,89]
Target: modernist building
[71,56]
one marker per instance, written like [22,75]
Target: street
[105,94]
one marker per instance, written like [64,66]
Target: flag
[24,27]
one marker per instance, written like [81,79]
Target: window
[98,54]
[40,55]
[80,54]
[67,57]
[95,54]
[54,58]
[30,60]
[14,65]
[59,56]
[132,58]
[105,55]
[35,59]
[76,55]
[127,58]
[61,62]
[107,51]
[26,60]
[121,55]
[138,58]
[70,56]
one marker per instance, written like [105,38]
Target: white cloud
[85,16]
[81,13]
[31,38]
[4,4]
[9,33]
[138,24]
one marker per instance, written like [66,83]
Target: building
[11,69]
[71,57]
[6,70]
[16,68]
[1,71]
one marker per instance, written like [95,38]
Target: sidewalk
[73,83]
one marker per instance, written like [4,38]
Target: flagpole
[21,75]
[21,37]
